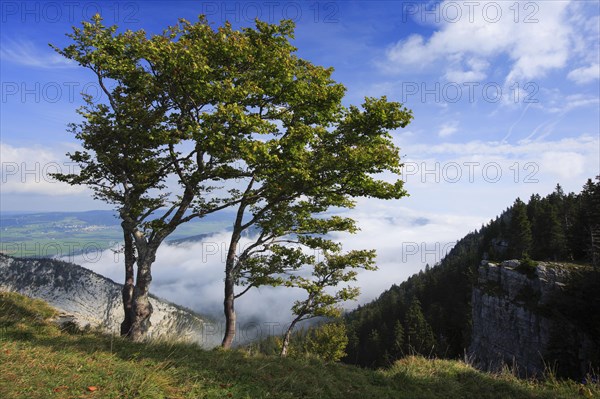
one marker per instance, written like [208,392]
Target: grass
[37,360]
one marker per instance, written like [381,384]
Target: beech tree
[235,118]
[327,273]
[169,99]
[298,175]
[124,156]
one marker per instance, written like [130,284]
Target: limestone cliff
[87,298]
[515,321]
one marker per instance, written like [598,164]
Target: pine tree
[398,344]
[520,239]
[557,243]
[419,336]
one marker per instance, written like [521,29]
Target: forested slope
[430,313]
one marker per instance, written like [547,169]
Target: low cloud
[191,274]
[28,170]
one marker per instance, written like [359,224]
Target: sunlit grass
[37,360]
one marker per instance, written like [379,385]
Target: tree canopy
[198,119]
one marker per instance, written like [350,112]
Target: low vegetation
[38,360]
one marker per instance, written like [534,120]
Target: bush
[527,267]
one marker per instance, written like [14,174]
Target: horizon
[505,98]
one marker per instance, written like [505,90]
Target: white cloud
[491,29]
[26,53]
[571,102]
[28,170]
[477,176]
[191,274]
[585,75]
[564,164]
[474,73]
[448,129]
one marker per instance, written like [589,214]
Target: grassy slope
[37,360]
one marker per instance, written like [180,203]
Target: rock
[87,299]
[510,324]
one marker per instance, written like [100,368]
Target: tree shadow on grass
[260,376]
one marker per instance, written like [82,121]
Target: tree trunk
[141,309]
[128,287]
[230,270]
[286,339]
[229,309]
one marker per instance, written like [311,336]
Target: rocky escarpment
[89,299]
[516,321]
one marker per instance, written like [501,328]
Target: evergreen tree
[374,347]
[561,227]
[398,344]
[557,242]
[419,336]
[520,239]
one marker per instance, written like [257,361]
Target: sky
[505,96]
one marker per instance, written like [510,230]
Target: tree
[209,108]
[398,343]
[328,341]
[419,336]
[169,97]
[324,155]
[333,269]
[124,157]
[520,239]
[590,217]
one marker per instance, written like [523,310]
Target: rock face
[86,298]
[513,322]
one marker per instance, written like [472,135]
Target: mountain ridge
[90,299]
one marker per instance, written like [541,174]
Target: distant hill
[90,299]
[61,234]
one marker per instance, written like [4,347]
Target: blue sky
[505,96]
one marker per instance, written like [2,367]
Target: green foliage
[527,266]
[445,290]
[520,230]
[327,342]
[579,305]
[200,105]
[50,364]
[419,336]
[335,268]
[398,340]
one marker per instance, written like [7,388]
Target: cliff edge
[519,319]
